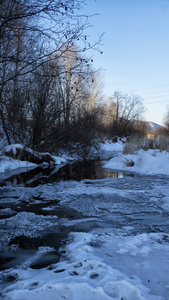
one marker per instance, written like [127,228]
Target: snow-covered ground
[8,163]
[87,273]
[144,162]
[117,230]
[113,147]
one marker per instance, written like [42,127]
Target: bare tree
[76,85]
[166,121]
[54,23]
[127,110]
[32,34]
[76,98]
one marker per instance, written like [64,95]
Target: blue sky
[135,48]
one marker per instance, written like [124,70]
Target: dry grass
[134,144]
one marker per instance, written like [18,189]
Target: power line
[148,88]
[158,96]
[157,102]
[149,93]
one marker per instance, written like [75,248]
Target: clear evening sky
[135,49]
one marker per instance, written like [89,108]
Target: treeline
[50,95]
[54,106]
[47,85]
[122,115]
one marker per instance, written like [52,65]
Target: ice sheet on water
[24,224]
[165,204]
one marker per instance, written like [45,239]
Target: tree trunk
[4,127]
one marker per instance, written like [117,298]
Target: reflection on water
[74,171]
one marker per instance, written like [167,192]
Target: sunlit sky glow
[135,49]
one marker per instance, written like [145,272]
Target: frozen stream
[101,233]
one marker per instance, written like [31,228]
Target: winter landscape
[84,176]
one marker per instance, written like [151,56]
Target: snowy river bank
[104,237]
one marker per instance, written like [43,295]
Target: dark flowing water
[78,171]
